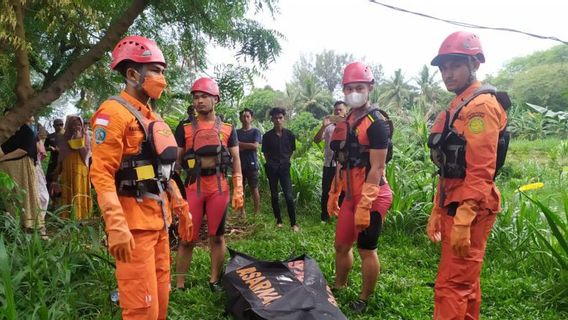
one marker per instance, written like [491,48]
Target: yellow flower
[531,186]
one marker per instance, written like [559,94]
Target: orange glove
[369,193]
[120,240]
[333,200]
[181,209]
[460,235]
[238,193]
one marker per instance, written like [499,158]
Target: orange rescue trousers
[144,282]
[457,293]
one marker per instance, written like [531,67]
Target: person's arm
[264,147]
[378,133]
[180,140]
[248,145]
[18,153]
[319,134]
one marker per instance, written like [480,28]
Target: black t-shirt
[278,149]
[24,139]
[249,158]
[378,133]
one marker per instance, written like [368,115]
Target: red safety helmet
[137,49]
[460,43]
[357,72]
[206,85]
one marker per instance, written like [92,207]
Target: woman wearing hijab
[74,154]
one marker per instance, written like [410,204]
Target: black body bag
[285,290]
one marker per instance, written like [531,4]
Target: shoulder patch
[100,135]
[476,124]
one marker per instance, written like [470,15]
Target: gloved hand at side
[238,200]
[120,240]
[369,193]
[460,237]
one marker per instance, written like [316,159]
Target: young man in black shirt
[278,145]
[249,139]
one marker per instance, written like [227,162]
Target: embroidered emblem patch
[100,135]
[476,125]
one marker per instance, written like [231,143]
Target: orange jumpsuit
[144,282]
[457,289]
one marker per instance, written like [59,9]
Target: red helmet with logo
[206,85]
[460,43]
[357,72]
[137,49]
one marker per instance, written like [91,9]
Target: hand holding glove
[120,240]
[238,200]
[333,199]
[369,193]
[461,234]
[181,208]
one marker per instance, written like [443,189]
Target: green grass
[408,262]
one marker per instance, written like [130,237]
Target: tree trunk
[28,101]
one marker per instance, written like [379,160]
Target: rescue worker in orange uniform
[209,147]
[464,143]
[361,144]
[132,152]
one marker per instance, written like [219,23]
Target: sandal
[358,306]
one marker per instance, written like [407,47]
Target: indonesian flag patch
[102,119]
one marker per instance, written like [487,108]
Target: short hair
[58,120]
[123,66]
[276,111]
[246,110]
[338,102]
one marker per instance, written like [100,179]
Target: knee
[342,249]
[186,245]
[217,240]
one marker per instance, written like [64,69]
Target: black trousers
[281,174]
[326,180]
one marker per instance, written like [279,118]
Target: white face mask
[356,99]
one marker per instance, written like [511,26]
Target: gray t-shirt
[327,152]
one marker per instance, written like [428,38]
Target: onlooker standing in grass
[329,164]
[278,145]
[361,143]
[467,199]
[50,145]
[249,139]
[72,168]
[18,156]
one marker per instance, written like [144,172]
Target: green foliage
[260,101]
[67,277]
[539,78]
[535,122]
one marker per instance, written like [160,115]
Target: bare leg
[256,199]
[370,269]
[217,246]
[343,264]
[183,261]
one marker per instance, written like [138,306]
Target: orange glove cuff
[369,193]
[466,213]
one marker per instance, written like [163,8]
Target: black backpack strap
[134,112]
[481,90]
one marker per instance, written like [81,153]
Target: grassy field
[408,263]
[524,275]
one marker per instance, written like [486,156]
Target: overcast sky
[396,39]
